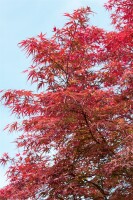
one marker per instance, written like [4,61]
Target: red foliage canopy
[77,133]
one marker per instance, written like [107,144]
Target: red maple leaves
[77,133]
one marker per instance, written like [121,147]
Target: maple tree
[76,139]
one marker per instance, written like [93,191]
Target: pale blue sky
[20,19]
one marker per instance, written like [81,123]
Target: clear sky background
[21,19]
